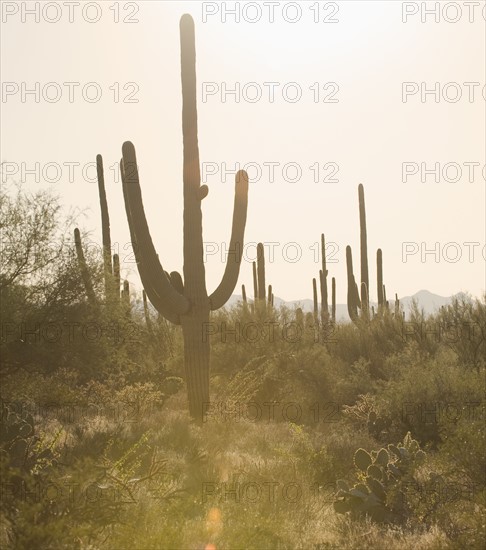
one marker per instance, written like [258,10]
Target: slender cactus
[353,294]
[126,293]
[269,295]
[333,298]
[105,228]
[261,271]
[83,266]
[397,305]
[191,307]
[363,251]
[379,279]
[255,283]
[243,294]
[323,284]
[314,295]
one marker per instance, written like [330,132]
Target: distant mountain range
[426,300]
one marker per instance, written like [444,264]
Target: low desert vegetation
[350,435]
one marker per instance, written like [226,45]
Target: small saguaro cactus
[186,302]
[270,296]
[397,305]
[243,294]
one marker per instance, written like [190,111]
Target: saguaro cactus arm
[228,283]
[159,289]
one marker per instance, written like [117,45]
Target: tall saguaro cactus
[190,305]
[105,228]
[333,300]
[323,283]
[379,279]
[363,251]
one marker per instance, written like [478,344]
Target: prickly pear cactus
[380,475]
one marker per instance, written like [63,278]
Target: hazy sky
[355,124]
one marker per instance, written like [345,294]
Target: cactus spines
[379,279]
[363,248]
[353,295]
[261,271]
[116,275]
[83,266]
[323,283]
[333,299]
[191,307]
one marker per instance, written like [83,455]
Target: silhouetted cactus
[363,251]
[333,298]
[379,279]
[83,267]
[316,305]
[190,308]
[105,228]
[270,296]
[397,305]
[353,294]
[255,283]
[243,294]
[261,271]
[125,295]
[323,284]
